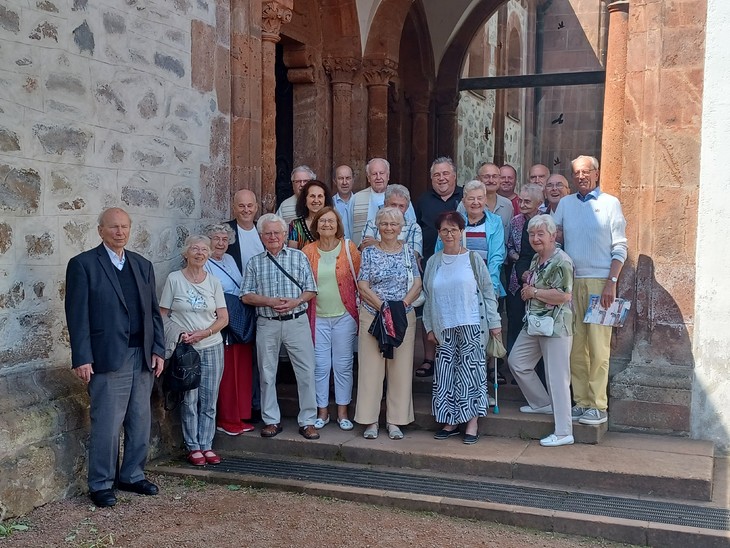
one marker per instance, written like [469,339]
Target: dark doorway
[284,128]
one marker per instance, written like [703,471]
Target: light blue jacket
[496,251]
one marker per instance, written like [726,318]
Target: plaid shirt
[411,234]
[263,278]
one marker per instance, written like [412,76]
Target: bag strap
[226,273]
[271,258]
[349,260]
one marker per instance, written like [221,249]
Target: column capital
[341,69]
[618,5]
[274,13]
[379,72]
[447,102]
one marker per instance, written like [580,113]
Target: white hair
[271,218]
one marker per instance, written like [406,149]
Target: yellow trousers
[591,349]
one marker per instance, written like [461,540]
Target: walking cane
[496,389]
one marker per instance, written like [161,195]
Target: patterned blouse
[386,273]
[299,232]
[555,273]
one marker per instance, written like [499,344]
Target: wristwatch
[614,279]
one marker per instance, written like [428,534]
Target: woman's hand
[528,292]
[496,332]
[431,337]
[192,337]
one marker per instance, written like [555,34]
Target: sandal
[371,432]
[425,371]
[345,424]
[321,423]
[394,432]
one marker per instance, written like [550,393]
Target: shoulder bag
[418,301]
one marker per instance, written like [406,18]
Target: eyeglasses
[389,224]
[198,249]
[327,222]
[219,239]
[301,181]
[272,234]
[583,172]
[555,185]
[449,231]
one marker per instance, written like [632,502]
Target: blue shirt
[344,208]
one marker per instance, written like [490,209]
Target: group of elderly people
[314,291]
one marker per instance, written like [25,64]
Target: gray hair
[389,213]
[100,218]
[271,218]
[593,160]
[534,191]
[386,163]
[397,190]
[218,228]
[442,160]
[474,184]
[305,169]
[545,221]
[192,240]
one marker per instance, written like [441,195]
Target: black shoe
[255,416]
[141,487]
[103,498]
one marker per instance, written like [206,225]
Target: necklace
[192,276]
[455,257]
[393,249]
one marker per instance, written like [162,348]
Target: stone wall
[101,105]
[711,344]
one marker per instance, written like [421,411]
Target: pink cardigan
[345,282]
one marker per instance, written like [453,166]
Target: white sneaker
[545,410]
[554,441]
[577,412]
[593,417]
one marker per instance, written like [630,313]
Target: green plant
[7,529]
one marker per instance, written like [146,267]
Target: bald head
[245,206]
[539,174]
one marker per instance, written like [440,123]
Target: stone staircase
[636,488]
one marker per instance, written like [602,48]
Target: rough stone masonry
[97,109]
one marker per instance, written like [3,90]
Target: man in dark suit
[117,344]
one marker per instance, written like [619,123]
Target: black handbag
[241,326]
[182,373]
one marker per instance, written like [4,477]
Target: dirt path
[190,513]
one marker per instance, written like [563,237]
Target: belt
[286,317]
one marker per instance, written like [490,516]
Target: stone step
[633,464]
[509,423]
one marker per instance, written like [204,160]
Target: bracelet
[535,293]
[211,331]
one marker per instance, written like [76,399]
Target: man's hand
[285,306]
[158,364]
[431,337]
[367,241]
[609,294]
[84,372]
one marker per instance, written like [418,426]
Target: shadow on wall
[654,391]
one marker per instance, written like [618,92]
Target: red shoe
[246,427]
[211,457]
[196,458]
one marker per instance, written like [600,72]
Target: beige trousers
[373,368]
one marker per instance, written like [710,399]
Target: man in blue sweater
[594,235]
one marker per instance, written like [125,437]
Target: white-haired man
[279,283]
[300,176]
[594,235]
[367,202]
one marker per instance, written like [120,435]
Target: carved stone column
[378,74]
[273,15]
[614,98]
[446,120]
[341,72]
[419,142]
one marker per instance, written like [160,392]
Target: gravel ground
[191,513]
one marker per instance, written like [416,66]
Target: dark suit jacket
[97,316]
[234,249]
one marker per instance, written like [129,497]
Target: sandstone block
[21,189]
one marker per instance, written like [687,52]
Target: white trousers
[333,351]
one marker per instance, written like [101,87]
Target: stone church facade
[167,107]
